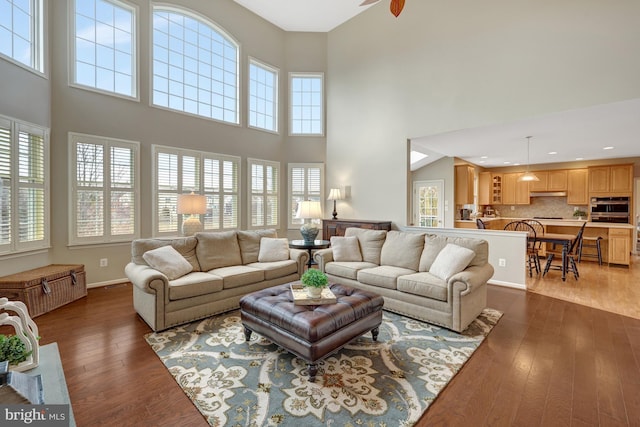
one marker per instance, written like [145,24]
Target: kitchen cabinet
[619,246]
[464,184]
[553,180]
[514,192]
[611,180]
[577,187]
[489,188]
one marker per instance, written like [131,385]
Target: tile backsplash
[540,206]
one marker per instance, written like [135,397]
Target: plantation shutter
[264,194]
[305,183]
[5,185]
[32,197]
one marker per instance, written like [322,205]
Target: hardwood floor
[547,362]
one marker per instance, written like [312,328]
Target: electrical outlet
[502,262]
[104,262]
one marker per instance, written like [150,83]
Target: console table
[337,227]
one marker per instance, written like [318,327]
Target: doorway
[428,203]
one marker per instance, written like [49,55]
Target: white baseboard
[107,283]
[507,284]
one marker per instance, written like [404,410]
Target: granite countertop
[569,222]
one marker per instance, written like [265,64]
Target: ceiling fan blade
[367,2]
[396,7]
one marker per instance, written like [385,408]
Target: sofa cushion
[452,259]
[424,285]
[249,242]
[348,270]
[272,250]
[384,276]
[274,270]
[218,249]
[238,275]
[370,241]
[193,285]
[185,245]
[168,261]
[434,244]
[402,249]
[346,248]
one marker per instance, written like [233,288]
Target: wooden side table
[309,247]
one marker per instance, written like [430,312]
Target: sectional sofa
[179,280]
[440,280]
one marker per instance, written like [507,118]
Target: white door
[428,203]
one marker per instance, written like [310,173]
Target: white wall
[440,169]
[444,66]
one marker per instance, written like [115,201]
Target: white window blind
[264,193]
[306,182]
[104,190]
[306,104]
[180,171]
[195,65]
[104,46]
[21,32]
[263,96]
[24,194]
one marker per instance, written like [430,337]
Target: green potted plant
[314,281]
[579,214]
[13,349]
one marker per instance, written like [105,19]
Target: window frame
[15,127]
[222,33]
[292,225]
[37,46]
[264,194]
[200,187]
[276,84]
[107,143]
[135,62]
[319,75]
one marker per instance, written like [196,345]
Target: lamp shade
[309,209]
[192,204]
[335,194]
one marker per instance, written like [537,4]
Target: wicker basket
[46,288]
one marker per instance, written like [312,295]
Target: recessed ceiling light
[484,157]
[579,158]
[516,164]
[506,163]
[481,161]
[608,148]
[552,152]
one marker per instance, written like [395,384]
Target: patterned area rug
[390,382]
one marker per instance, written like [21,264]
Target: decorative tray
[300,296]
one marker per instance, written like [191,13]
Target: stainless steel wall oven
[610,209]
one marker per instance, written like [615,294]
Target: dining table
[559,239]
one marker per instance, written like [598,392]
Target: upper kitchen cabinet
[553,180]
[578,187]
[489,188]
[608,180]
[514,192]
[464,184]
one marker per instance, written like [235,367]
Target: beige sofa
[196,277]
[440,280]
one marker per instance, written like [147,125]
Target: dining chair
[571,255]
[537,225]
[480,224]
[533,262]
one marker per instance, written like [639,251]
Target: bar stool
[590,242]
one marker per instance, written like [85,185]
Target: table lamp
[193,205]
[309,209]
[334,195]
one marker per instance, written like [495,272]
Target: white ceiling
[305,15]
[574,135]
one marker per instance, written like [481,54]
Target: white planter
[313,292]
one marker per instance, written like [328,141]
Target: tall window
[305,183]
[195,66]
[24,187]
[306,104]
[104,190]
[263,96]
[21,29]
[104,42]
[178,171]
[264,194]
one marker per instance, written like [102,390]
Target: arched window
[195,65]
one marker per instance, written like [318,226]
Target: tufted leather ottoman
[311,332]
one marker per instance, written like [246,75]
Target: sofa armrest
[143,276]
[322,257]
[473,277]
[301,257]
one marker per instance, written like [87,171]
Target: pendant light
[528,176]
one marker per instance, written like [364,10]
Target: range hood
[548,194]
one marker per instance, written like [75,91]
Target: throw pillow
[345,249]
[168,261]
[272,250]
[451,260]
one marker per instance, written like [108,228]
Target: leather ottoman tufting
[311,332]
